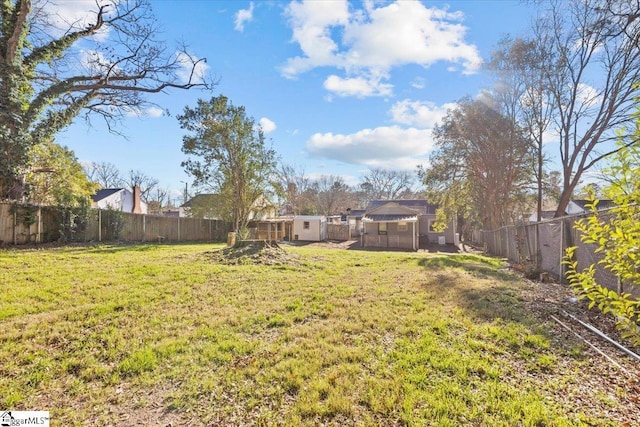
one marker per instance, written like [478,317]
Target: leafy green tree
[52,69]
[56,178]
[616,234]
[480,166]
[228,154]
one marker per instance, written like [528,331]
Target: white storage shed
[311,228]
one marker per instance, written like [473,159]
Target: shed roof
[602,204]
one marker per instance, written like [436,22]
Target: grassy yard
[167,334]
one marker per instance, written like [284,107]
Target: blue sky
[339,87]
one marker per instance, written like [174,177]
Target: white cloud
[186,62]
[312,22]
[418,83]
[152,112]
[243,16]
[62,15]
[357,86]
[374,40]
[423,114]
[389,147]
[588,95]
[267,125]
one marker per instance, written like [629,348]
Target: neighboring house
[334,219]
[201,206]
[575,207]
[207,206]
[403,224]
[311,228]
[120,199]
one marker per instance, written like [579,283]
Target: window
[306,225]
[382,228]
[431,223]
[402,226]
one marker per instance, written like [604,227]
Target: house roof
[356,213]
[391,211]
[602,204]
[200,200]
[104,193]
[389,218]
[309,217]
[419,205]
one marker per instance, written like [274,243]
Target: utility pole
[186,192]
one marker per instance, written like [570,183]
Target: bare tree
[592,69]
[158,199]
[105,174]
[292,187]
[146,184]
[330,194]
[47,80]
[386,184]
[519,65]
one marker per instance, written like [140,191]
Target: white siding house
[119,199]
[310,228]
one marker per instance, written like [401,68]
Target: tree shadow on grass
[478,266]
[480,287]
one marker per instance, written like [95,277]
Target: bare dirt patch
[253,252]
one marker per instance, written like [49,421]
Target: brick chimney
[137,208]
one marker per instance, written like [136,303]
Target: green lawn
[157,334]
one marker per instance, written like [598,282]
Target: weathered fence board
[22,224]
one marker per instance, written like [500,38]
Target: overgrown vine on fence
[115,223]
[74,220]
[26,213]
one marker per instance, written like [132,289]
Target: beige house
[403,224]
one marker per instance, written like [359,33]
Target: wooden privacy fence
[270,230]
[338,232]
[21,224]
[544,244]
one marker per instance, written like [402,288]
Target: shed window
[382,228]
[306,225]
[402,226]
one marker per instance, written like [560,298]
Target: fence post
[562,243]
[99,225]
[39,229]
[178,229]
[507,240]
[15,225]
